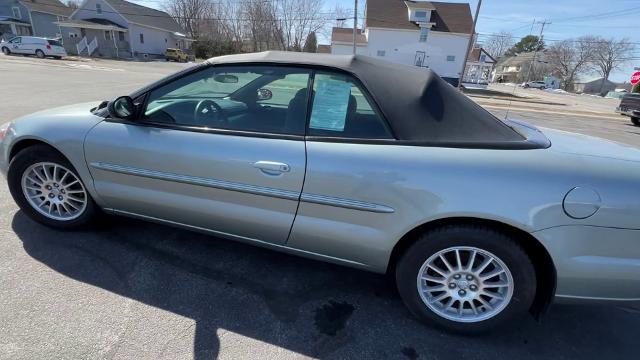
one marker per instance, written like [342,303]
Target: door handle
[271,167]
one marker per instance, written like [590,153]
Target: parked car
[355,161]
[630,106]
[176,55]
[535,85]
[31,45]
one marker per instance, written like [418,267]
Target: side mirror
[264,94]
[122,108]
[226,79]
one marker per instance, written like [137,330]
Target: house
[427,34]
[593,85]
[324,49]
[121,29]
[479,67]
[31,17]
[517,69]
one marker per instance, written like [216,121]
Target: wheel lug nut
[56,185]
[60,197]
[473,287]
[452,285]
[462,293]
[62,191]
[456,276]
[51,196]
[469,277]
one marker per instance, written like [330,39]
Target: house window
[451,58]
[121,35]
[98,9]
[382,53]
[424,33]
[483,58]
[421,14]
[107,35]
[16,12]
[141,38]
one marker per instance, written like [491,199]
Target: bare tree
[73,4]
[569,58]
[261,28]
[610,55]
[189,14]
[297,19]
[497,44]
[340,15]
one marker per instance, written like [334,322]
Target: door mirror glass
[264,94]
[122,108]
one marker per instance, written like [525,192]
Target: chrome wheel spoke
[465,292]
[44,188]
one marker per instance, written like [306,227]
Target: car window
[342,109]
[245,98]
[54,42]
[15,40]
[282,91]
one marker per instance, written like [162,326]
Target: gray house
[594,85]
[121,29]
[32,17]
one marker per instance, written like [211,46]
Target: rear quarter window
[54,42]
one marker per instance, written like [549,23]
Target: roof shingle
[393,14]
[48,6]
[143,15]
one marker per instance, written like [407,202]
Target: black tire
[42,153]
[40,54]
[57,57]
[6,50]
[635,121]
[484,238]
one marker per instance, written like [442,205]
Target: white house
[121,29]
[428,34]
[479,67]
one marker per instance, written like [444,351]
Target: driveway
[139,290]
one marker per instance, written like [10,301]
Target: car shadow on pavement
[312,308]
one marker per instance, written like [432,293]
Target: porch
[95,37]
[478,73]
[10,27]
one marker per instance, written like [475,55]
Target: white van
[31,45]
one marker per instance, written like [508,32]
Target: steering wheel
[208,112]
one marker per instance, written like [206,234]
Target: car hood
[584,145]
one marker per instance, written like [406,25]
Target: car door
[201,155]
[15,46]
[354,185]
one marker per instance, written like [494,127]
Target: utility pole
[355,25]
[535,52]
[470,45]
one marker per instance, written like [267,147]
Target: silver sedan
[354,161]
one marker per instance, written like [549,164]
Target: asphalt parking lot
[138,290]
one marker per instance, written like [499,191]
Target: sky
[569,19]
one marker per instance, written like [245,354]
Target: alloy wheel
[54,191]
[465,284]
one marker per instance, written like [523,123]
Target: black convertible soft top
[419,106]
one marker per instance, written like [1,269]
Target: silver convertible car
[354,161]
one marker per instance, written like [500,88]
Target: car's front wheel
[466,278]
[6,51]
[48,189]
[635,121]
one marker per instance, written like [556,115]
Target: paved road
[138,290]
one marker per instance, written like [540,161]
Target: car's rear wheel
[40,54]
[635,121]
[48,189]
[466,278]
[6,51]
